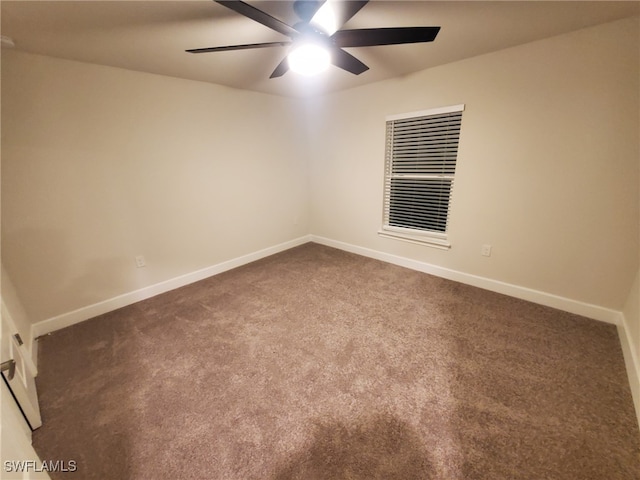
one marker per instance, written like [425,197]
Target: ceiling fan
[315,39]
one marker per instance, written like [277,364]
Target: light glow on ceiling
[325,19]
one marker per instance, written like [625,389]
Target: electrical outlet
[486,250]
[140,261]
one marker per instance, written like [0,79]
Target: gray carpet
[320,364]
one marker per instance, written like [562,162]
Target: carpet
[316,363]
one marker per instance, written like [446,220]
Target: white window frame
[431,238]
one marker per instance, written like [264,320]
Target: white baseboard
[76,316]
[573,306]
[568,305]
[630,350]
[70,318]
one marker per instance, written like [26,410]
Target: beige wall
[101,164]
[547,172]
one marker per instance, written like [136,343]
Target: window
[420,164]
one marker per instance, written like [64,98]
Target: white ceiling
[152,36]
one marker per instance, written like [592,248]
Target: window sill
[433,242]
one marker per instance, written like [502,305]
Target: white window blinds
[421,154]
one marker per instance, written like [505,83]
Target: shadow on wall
[52,280]
[378,447]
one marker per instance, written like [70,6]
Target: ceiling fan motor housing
[306,9]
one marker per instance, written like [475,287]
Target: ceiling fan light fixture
[309,59]
[316,40]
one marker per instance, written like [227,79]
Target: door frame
[23,385]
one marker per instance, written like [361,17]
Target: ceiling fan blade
[369,37]
[330,15]
[347,62]
[237,47]
[349,9]
[281,69]
[259,16]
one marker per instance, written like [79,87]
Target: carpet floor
[320,364]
